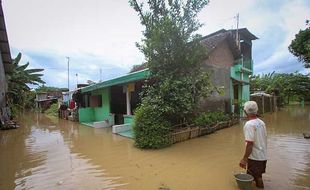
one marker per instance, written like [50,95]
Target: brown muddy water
[50,153]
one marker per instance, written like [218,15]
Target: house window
[95,101]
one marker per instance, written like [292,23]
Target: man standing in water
[255,156]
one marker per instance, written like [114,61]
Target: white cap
[250,107]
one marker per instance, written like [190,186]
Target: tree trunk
[288,100]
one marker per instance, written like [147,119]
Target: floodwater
[51,153]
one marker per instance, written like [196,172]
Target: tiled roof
[211,41]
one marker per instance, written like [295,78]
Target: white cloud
[106,28]
[102,34]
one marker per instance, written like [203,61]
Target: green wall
[246,92]
[243,90]
[231,95]
[128,119]
[102,113]
[86,115]
[234,71]
[91,114]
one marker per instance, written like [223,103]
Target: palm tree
[20,78]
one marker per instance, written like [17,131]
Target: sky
[99,36]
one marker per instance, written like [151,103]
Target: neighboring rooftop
[212,40]
[131,77]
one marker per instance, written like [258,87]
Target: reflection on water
[50,153]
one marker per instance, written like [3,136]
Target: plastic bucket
[244,181]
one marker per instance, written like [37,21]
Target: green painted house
[112,102]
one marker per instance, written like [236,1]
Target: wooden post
[270,102]
[275,103]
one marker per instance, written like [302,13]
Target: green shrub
[150,129]
[210,118]
[52,110]
[221,116]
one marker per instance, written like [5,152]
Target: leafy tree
[50,89]
[19,80]
[262,82]
[137,68]
[174,55]
[300,46]
[284,85]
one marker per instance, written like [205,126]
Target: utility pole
[68,73]
[77,80]
[100,75]
[237,31]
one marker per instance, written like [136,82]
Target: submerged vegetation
[174,55]
[52,110]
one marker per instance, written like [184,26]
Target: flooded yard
[50,153]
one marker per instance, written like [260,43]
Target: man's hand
[243,163]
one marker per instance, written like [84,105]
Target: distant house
[230,63]
[45,99]
[266,102]
[5,59]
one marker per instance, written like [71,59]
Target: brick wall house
[230,64]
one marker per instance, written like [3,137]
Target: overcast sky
[101,34]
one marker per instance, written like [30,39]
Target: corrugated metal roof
[131,77]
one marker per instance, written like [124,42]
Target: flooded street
[50,153]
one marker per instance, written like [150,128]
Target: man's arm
[248,151]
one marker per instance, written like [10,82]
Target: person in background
[255,156]
[72,104]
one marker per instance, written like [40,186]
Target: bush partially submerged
[150,130]
[174,56]
[52,110]
[210,118]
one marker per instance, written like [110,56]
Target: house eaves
[244,34]
[215,39]
[131,77]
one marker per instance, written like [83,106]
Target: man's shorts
[256,168]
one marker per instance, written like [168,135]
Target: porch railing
[246,63]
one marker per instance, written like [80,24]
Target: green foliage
[15,109]
[52,110]
[210,118]
[19,80]
[50,89]
[285,85]
[300,46]
[28,100]
[150,130]
[137,68]
[174,55]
